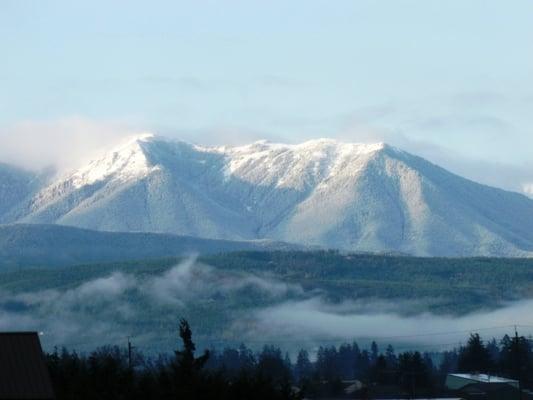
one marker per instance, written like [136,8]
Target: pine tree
[516,357]
[303,367]
[374,352]
[186,368]
[391,358]
[474,357]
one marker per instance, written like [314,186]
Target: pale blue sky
[448,79]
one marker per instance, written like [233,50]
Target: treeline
[411,372]
[111,373]
[240,373]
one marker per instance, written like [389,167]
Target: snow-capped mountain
[321,192]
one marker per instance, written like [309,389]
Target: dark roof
[23,372]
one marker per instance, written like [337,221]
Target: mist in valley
[229,307]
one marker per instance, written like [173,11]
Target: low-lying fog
[108,309]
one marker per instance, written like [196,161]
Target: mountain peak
[138,155]
[126,161]
[141,137]
[136,143]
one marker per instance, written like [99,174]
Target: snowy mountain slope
[16,185]
[322,192]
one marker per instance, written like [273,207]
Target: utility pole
[130,348]
[517,361]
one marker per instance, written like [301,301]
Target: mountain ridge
[39,245]
[356,197]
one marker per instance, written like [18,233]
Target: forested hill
[34,245]
[461,285]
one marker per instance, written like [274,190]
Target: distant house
[23,372]
[484,387]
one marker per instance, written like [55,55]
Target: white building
[459,381]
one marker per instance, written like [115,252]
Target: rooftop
[23,372]
[484,378]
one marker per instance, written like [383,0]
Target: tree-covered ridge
[471,282]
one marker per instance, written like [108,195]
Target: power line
[375,338]
[116,341]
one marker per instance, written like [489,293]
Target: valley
[229,297]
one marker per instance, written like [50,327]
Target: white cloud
[104,310]
[471,134]
[528,188]
[317,321]
[100,311]
[63,143]
[191,281]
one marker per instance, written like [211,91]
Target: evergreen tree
[185,367]
[272,366]
[413,374]
[380,372]
[346,358]
[516,357]
[494,351]
[391,358]
[327,363]
[448,363]
[303,368]
[474,357]
[246,358]
[374,352]
[362,365]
